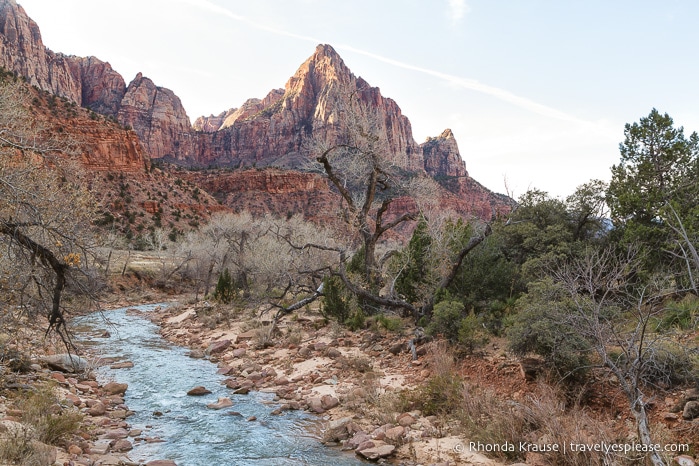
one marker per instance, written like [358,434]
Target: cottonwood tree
[45,213]
[257,254]
[209,249]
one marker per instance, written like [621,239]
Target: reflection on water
[193,434]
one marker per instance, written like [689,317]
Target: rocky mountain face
[88,82]
[157,116]
[275,130]
[133,195]
[271,133]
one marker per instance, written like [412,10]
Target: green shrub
[337,301]
[415,271]
[666,364]
[224,291]
[471,333]
[682,315]
[440,394]
[356,321]
[390,324]
[540,328]
[446,317]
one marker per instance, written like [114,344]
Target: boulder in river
[199,391]
[223,402]
[122,365]
[115,388]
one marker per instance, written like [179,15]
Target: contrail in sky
[465,83]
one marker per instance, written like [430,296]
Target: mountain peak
[326,50]
[323,66]
[447,134]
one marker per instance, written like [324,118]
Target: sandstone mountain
[269,134]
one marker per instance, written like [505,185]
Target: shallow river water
[194,435]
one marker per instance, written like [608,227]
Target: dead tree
[602,299]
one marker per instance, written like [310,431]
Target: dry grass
[44,422]
[263,337]
[47,418]
[542,419]
[20,448]
[481,415]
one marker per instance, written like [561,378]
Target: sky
[536,92]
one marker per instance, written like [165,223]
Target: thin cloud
[458,9]
[474,85]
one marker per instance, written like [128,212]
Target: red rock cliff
[89,82]
[157,116]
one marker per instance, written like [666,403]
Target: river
[194,435]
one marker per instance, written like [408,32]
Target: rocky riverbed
[103,437]
[343,377]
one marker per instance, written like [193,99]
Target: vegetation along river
[192,434]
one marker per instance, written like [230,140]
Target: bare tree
[602,302]
[257,253]
[687,250]
[45,213]
[358,163]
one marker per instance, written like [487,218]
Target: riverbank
[54,411]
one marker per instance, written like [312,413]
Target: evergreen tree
[416,269]
[658,169]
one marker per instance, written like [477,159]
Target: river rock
[328,402]
[218,347]
[691,410]
[337,430]
[65,362]
[395,433]
[226,370]
[116,434]
[97,409]
[161,463]
[73,449]
[115,388]
[120,414]
[357,439]
[377,452]
[315,405]
[196,354]
[246,336]
[199,391]
[406,420]
[122,445]
[223,402]
[100,447]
